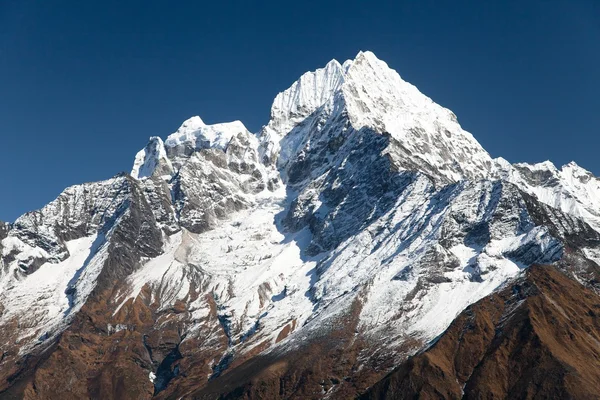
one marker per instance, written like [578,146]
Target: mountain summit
[307,260]
[366,93]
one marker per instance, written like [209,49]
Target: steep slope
[357,225]
[571,189]
[152,159]
[537,338]
[356,356]
[58,258]
[366,93]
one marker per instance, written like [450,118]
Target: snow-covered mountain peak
[541,166]
[150,158]
[308,93]
[427,134]
[545,173]
[191,124]
[366,56]
[368,94]
[191,136]
[571,189]
[294,105]
[196,134]
[501,164]
[574,170]
[572,164]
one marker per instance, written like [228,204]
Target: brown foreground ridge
[538,338]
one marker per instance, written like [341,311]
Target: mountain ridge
[361,205]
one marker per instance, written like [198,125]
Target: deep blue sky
[83,84]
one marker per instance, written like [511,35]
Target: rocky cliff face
[305,261]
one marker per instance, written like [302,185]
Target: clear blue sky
[83,84]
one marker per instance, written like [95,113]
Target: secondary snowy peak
[369,94]
[571,189]
[303,98]
[150,158]
[312,90]
[194,134]
[578,175]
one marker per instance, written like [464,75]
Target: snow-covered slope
[361,200]
[571,189]
[151,158]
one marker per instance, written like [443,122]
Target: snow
[466,255]
[447,300]
[261,278]
[147,160]
[571,189]
[193,134]
[303,98]
[240,257]
[372,95]
[41,295]
[155,269]
[199,135]
[24,252]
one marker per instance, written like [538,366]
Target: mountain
[344,240]
[535,338]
